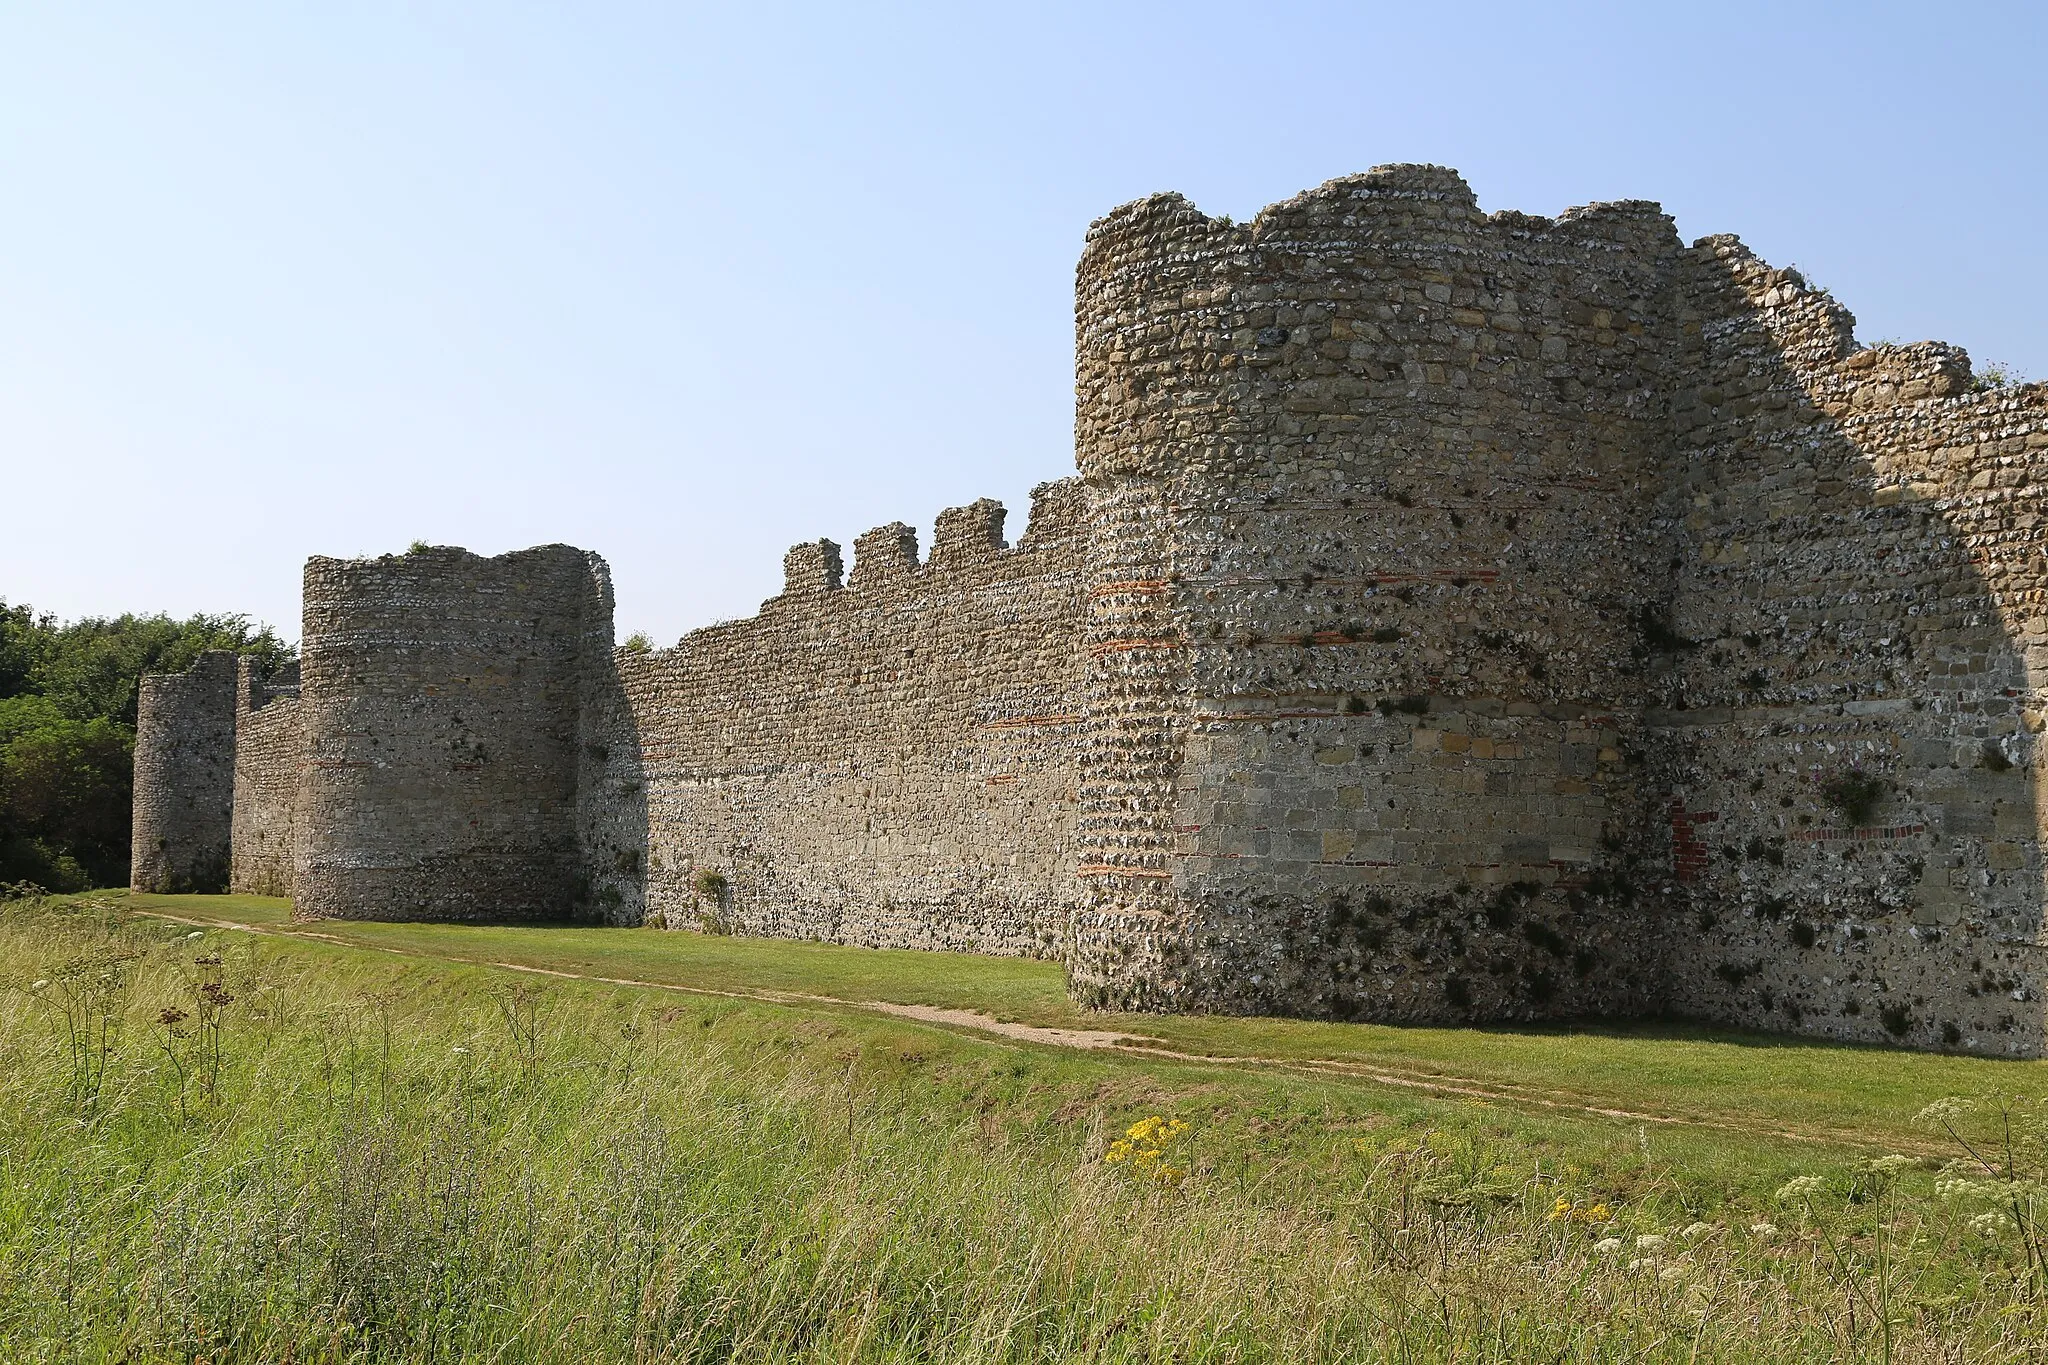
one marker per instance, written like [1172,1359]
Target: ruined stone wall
[441,697]
[1498,617]
[184,778]
[1458,616]
[1374,476]
[269,751]
[1849,696]
[888,761]
[611,782]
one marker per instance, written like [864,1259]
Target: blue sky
[687,285]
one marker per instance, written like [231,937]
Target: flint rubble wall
[269,753]
[1378,468]
[1859,605]
[887,761]
[1497,616]
[182,831]
[441,696]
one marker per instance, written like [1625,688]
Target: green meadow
[368,1142]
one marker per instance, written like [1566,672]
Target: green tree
[65,789]
[93,667]
[21,638]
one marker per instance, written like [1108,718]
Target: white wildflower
[1801,1187]
[1607,1246]
[1692,1230]
[458,1049]
[1892,1165]
[1650,1241]
[1990,1224]
[197,933]
[1763,1229]
[1643,1263]
[1671,1272]
[1944,1110]
[40,984]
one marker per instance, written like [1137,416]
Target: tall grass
[413,1162]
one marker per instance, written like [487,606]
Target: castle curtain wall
[1457,616]
[1850,697]
[269,754]
[887,761]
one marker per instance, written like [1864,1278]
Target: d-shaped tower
[1372,479]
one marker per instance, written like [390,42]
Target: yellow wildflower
[1144,1148]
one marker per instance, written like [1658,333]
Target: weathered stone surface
[887,763]
[1362,685]
[1856,571]
[441,701]
[182,829]
[269,755]
[1611,560]
[1457,616]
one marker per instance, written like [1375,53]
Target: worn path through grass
[1668,1074]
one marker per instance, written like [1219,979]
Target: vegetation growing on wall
[1855,795]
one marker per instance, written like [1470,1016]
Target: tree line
[67,732]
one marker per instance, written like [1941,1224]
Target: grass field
[367,1143]
[1846,1095]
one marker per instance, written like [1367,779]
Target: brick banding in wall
[1807,836]
[1689,852]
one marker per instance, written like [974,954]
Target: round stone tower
[441,696]
[184,778]
[1370,483]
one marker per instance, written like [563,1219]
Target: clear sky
[685,285]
